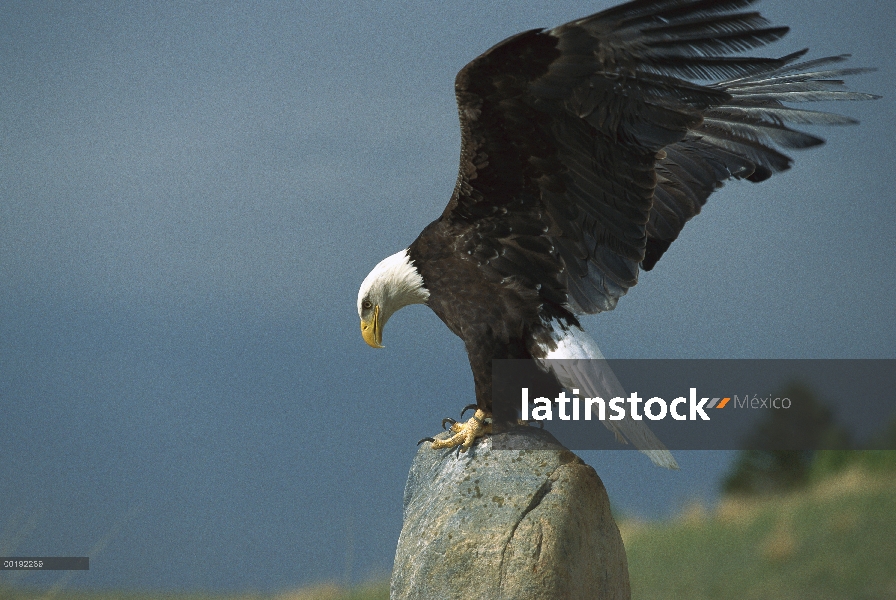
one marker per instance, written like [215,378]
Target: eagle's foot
[465,433]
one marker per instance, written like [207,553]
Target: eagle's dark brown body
[494,319]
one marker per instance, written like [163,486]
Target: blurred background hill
[832,538]
[789,524]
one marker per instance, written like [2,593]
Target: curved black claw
[472,407]
[447,420]
[426,440]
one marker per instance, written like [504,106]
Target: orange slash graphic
[723,403]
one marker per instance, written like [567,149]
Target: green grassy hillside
[836,539]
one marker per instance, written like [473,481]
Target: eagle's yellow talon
[465,434]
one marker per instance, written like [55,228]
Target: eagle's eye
[366,305]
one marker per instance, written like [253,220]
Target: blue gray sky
[190,195]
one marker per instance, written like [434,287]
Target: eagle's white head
[392,284]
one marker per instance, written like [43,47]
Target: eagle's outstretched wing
[584,150]
[737,138]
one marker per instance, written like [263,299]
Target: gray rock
[517,524]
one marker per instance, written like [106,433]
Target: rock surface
[515,524]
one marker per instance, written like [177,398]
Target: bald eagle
[584,151]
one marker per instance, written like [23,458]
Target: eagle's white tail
[577,363]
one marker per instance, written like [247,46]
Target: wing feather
[592,134]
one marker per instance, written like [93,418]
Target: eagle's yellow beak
[372,331]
